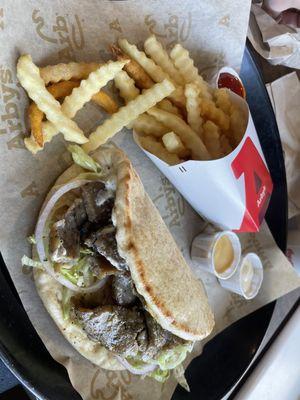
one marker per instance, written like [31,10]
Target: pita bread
[50,292]
[174,297]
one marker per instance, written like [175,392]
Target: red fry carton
[232,192]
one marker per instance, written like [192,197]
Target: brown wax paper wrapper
[58,31]
[276,42]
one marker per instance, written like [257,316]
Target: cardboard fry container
[232,192]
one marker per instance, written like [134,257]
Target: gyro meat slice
[100,267]
[98,201]
[123,290]
[77,213]
[104,242]
[157,338]
[64,241]
[114,327]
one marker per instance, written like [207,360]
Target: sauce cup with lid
[218,253]
[247,279]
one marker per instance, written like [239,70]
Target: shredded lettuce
[181,379]
[65,302]
[87,274]
[167,360]
[79,274]
[136,362]
[81,158]
[69,275]
[92,176]
[86,252]
[29,262]
[171,358]
[31,239]
[160,375]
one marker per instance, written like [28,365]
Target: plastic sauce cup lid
[250,275]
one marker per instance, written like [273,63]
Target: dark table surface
[10,388]
[7,379]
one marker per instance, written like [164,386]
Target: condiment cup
[237,283]
[203,250]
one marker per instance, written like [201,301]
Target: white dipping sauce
[247,274]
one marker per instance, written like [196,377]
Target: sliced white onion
[39,232]
[137,371]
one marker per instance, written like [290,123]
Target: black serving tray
[225,357]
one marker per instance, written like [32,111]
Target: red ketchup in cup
[229,81]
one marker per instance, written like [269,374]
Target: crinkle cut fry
[153,70]
[211,133]
[189,138]
[149,125]
[105,101]
[60,90]
[210,111]
[193,108]
[225,145]
[223,100]
[156,148]
[29,77]
[90,86]
[128,113]
[133,69]
[87,89]
[155,50]
[126,86]
[185,64]
[65,72]
[167,105]
[36,116]
[174,145]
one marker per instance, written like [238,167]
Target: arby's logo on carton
[233,192]
[250,164]
[258,185]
